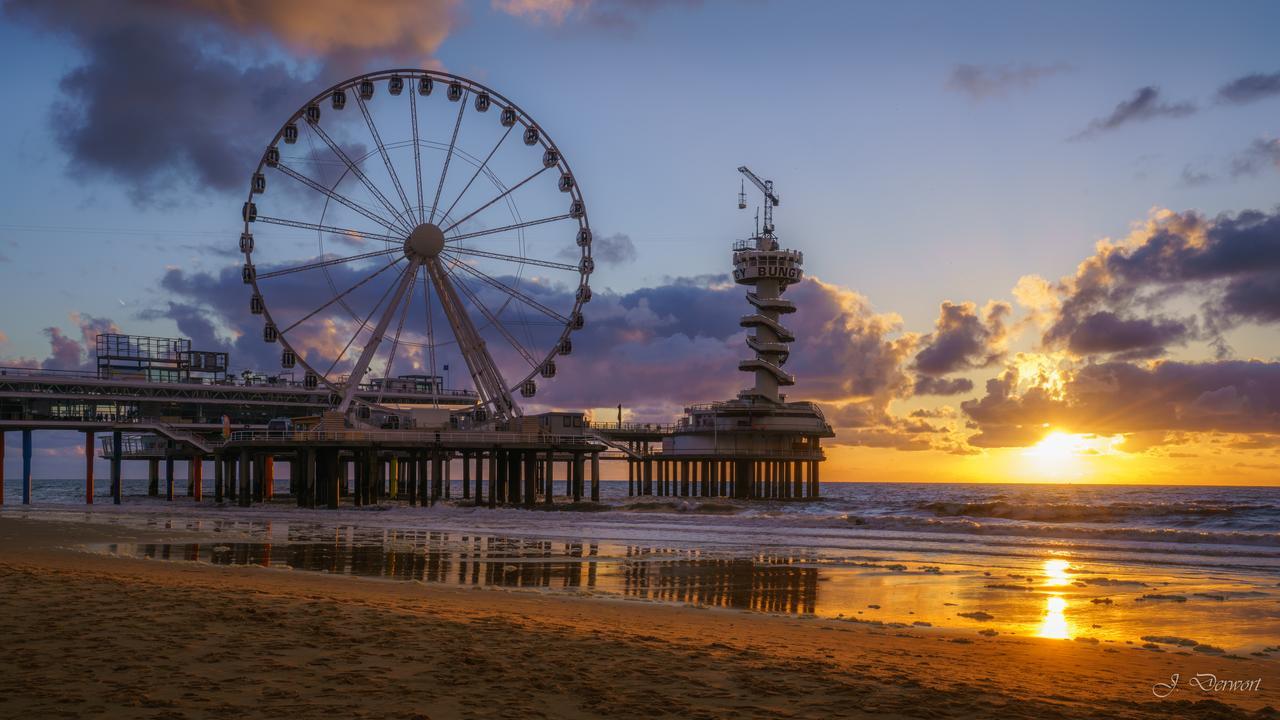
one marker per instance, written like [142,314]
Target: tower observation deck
[760,264]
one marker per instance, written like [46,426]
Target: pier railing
[423,437]
[632,427]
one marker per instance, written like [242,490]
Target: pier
[350,429]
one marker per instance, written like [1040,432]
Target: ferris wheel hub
[426,241]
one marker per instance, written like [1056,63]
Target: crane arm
[765,187]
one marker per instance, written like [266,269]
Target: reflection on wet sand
[1054,624]
[1054,598]
[767,582]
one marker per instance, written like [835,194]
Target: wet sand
[87,635]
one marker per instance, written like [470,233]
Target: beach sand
[87,635]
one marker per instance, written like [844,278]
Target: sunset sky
[1042,241]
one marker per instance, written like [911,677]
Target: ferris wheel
[394,228]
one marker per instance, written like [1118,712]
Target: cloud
[981,82]
[926,385]
[1260,155]
[1105,332]
[1144,105]
[181,95]
[68,353]
[614,249]
[64,353]
[1194,178]
[1230,263]
[661,348]
[1120,398]
[548,11]
[1250,88]
[621,15]
[962,339]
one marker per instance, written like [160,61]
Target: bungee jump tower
[757,445]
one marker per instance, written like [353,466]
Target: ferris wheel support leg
[484,372]
[366,356]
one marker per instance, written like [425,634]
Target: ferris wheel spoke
[327,263]
[329,229]
[431,334]
[417,153]
[505,193]
[479,169]
[334,195]
[395,341]
[386,159]
[503,287]
[504,228]
[493,318]
[365,322]
[341,295]
[453,142]
[513,258]
[355,170]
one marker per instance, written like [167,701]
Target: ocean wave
[1090,512]
[1069,532]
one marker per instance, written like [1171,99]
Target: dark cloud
[677,343]
[1117,398]
[1144,105]
[1250,88]
[180,95]
[963,339]
[1254,298]
[1260,155]
[1231,263]
[844,349]
[986,81]
[614,249]
[1194,178]
[927,385]
[1105,332]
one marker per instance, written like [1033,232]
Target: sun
[1059,455]
[1063,455]
[1056,448]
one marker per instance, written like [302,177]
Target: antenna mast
[770,198]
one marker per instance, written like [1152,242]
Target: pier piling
[493,477]
[595,477]
[168,479]
[197,477]
[26,467]
[117,454]
[88,467]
